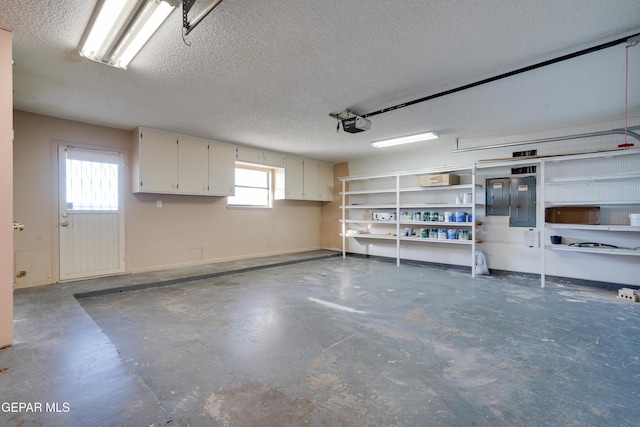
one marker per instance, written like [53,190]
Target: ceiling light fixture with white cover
[425,136]
[120,28]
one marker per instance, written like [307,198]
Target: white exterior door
[90,213]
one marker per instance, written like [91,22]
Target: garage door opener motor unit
[356,124]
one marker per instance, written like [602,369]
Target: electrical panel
[523,202]
[497,196]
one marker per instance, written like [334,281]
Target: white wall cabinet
[296,178]
[310,180]
[275,160]
[193,166]
[155,156]
[325,181]
[318,180]
[260,157]
[289,181]
[221,169]
[175,164]
[304,179]
[250,155]
[167,163]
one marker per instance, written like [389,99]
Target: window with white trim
[91,186]
[253,187]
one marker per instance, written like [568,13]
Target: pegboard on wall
[600,182]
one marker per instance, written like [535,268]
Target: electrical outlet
[159,203]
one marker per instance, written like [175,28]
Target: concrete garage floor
[324,342]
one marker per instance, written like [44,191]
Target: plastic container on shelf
[460,216]
[634,219]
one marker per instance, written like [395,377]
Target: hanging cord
[626,96]
[631,41]
[184,40]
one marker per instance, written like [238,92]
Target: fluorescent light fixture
[405,139]
[121,28]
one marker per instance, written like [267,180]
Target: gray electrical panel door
[497,202]
[523,202]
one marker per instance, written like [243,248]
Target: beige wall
[186,230]
[6,191]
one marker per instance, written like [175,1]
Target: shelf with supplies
[439,224]
[427,206]
[591,204]
[393,236]
[436,205]
[437,241]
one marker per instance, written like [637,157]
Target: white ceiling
[268,73]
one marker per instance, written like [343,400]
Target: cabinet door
[293,178]
[193,166]
[310,180]
[222,169]
[158,162]
[249,155]
[273,159]
[325,181]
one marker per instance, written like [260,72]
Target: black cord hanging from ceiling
[186,7]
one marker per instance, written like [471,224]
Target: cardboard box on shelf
[439,179]
[573,215]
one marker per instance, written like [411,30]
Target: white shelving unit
[610,180]
[397,195]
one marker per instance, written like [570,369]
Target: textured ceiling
[268,73]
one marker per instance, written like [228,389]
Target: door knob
[64,223]
[17,226]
